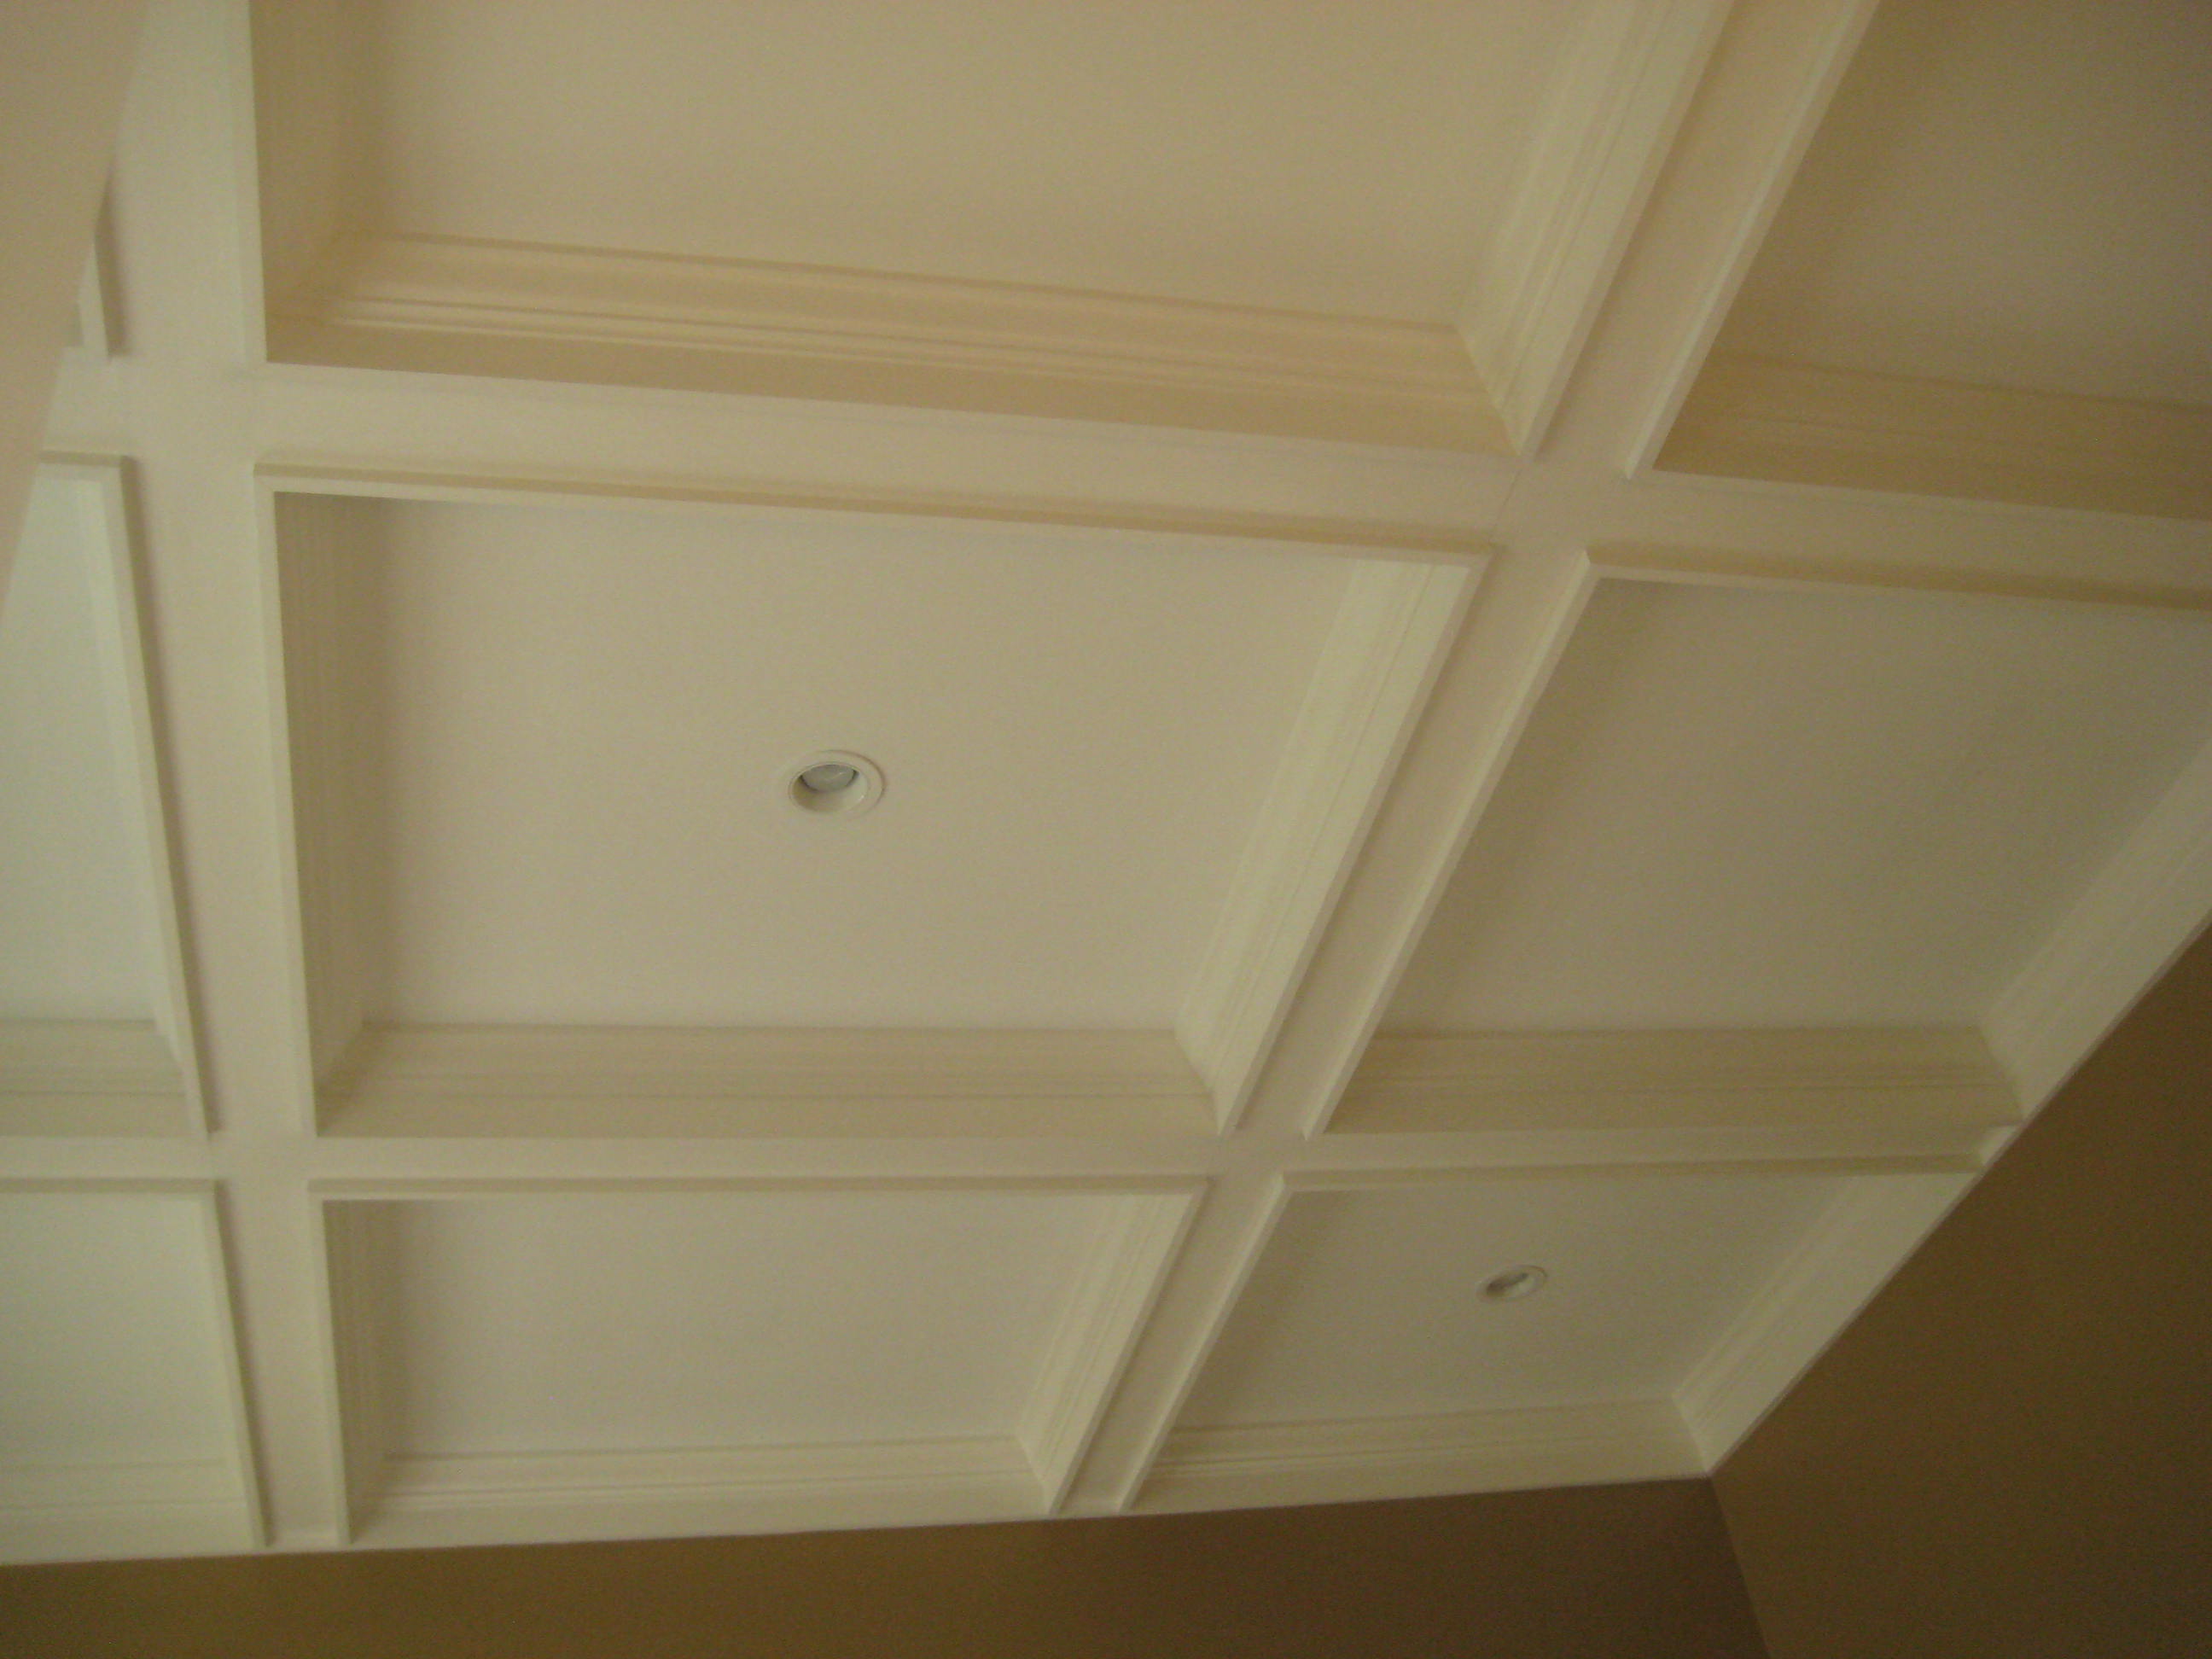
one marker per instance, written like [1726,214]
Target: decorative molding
[614,1081]
[554,313]
[2151,898]
[89,1078]
[92,329]
[1767,88]
[487,1498]
[1396,542]
[317,576]
[1091,1347]
[1492,674]
[83,1512]
[352,1241]
[150,1091]
[1760,417]
[1352,1459]
[1622,91]
[1368,690]
[1932,1086]
[1801,570]
[1835,1270]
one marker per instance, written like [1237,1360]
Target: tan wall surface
[2010,1452]
[1624,1572]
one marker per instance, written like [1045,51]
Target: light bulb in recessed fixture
[835,782]
[1514,1284]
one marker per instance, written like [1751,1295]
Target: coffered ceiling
[1510,680]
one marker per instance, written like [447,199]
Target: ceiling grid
[1372,799]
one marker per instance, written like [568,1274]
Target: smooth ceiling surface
[2007,194]
[113,1332]
[1371,1304]
[77,929]
[552,1324]
[1746,808]
[582,724]
[588,1142]
[1312,155]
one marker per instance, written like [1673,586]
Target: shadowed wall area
[2010,1451]
[1611,1571]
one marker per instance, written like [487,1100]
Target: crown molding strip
[525,309]
[2139,912]
[481,1498]
[1756,417]
[1368,690]
[103,1511]
[84,1078]
[1849,1254]
[1348,1460]
[618,1081]
[1120,1281]
[1390,543]
[1766,84]
[1614,107]
[1905,1079]
[1486,687]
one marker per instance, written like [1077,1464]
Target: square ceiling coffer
[570,1362]
[552,876]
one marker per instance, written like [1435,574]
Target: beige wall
[1620,1572]
[2010,1452]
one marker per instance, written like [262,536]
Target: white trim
[1215,1258]
[496,1499]
[819,331]
[2140,911]
[151,1094]
[1618,99]
[1113,523]
[1846,1256]
[1798,423]
[703,1082]
[88,1078]
[1893,1078]
[1497,668]
[1120,1281]
[1766,85]
[1352,1459]
[1368,688]
[1750,532]
[104,505]
[100,1510]
[92,333]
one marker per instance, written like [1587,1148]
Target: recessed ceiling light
[1514,1284]
[834,781]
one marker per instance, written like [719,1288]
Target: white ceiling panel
[580,724]
[1371,1304]
[77,934]
[115,1343]
[2005,193]
[1312,155]
[1741,808]
[551,1323]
